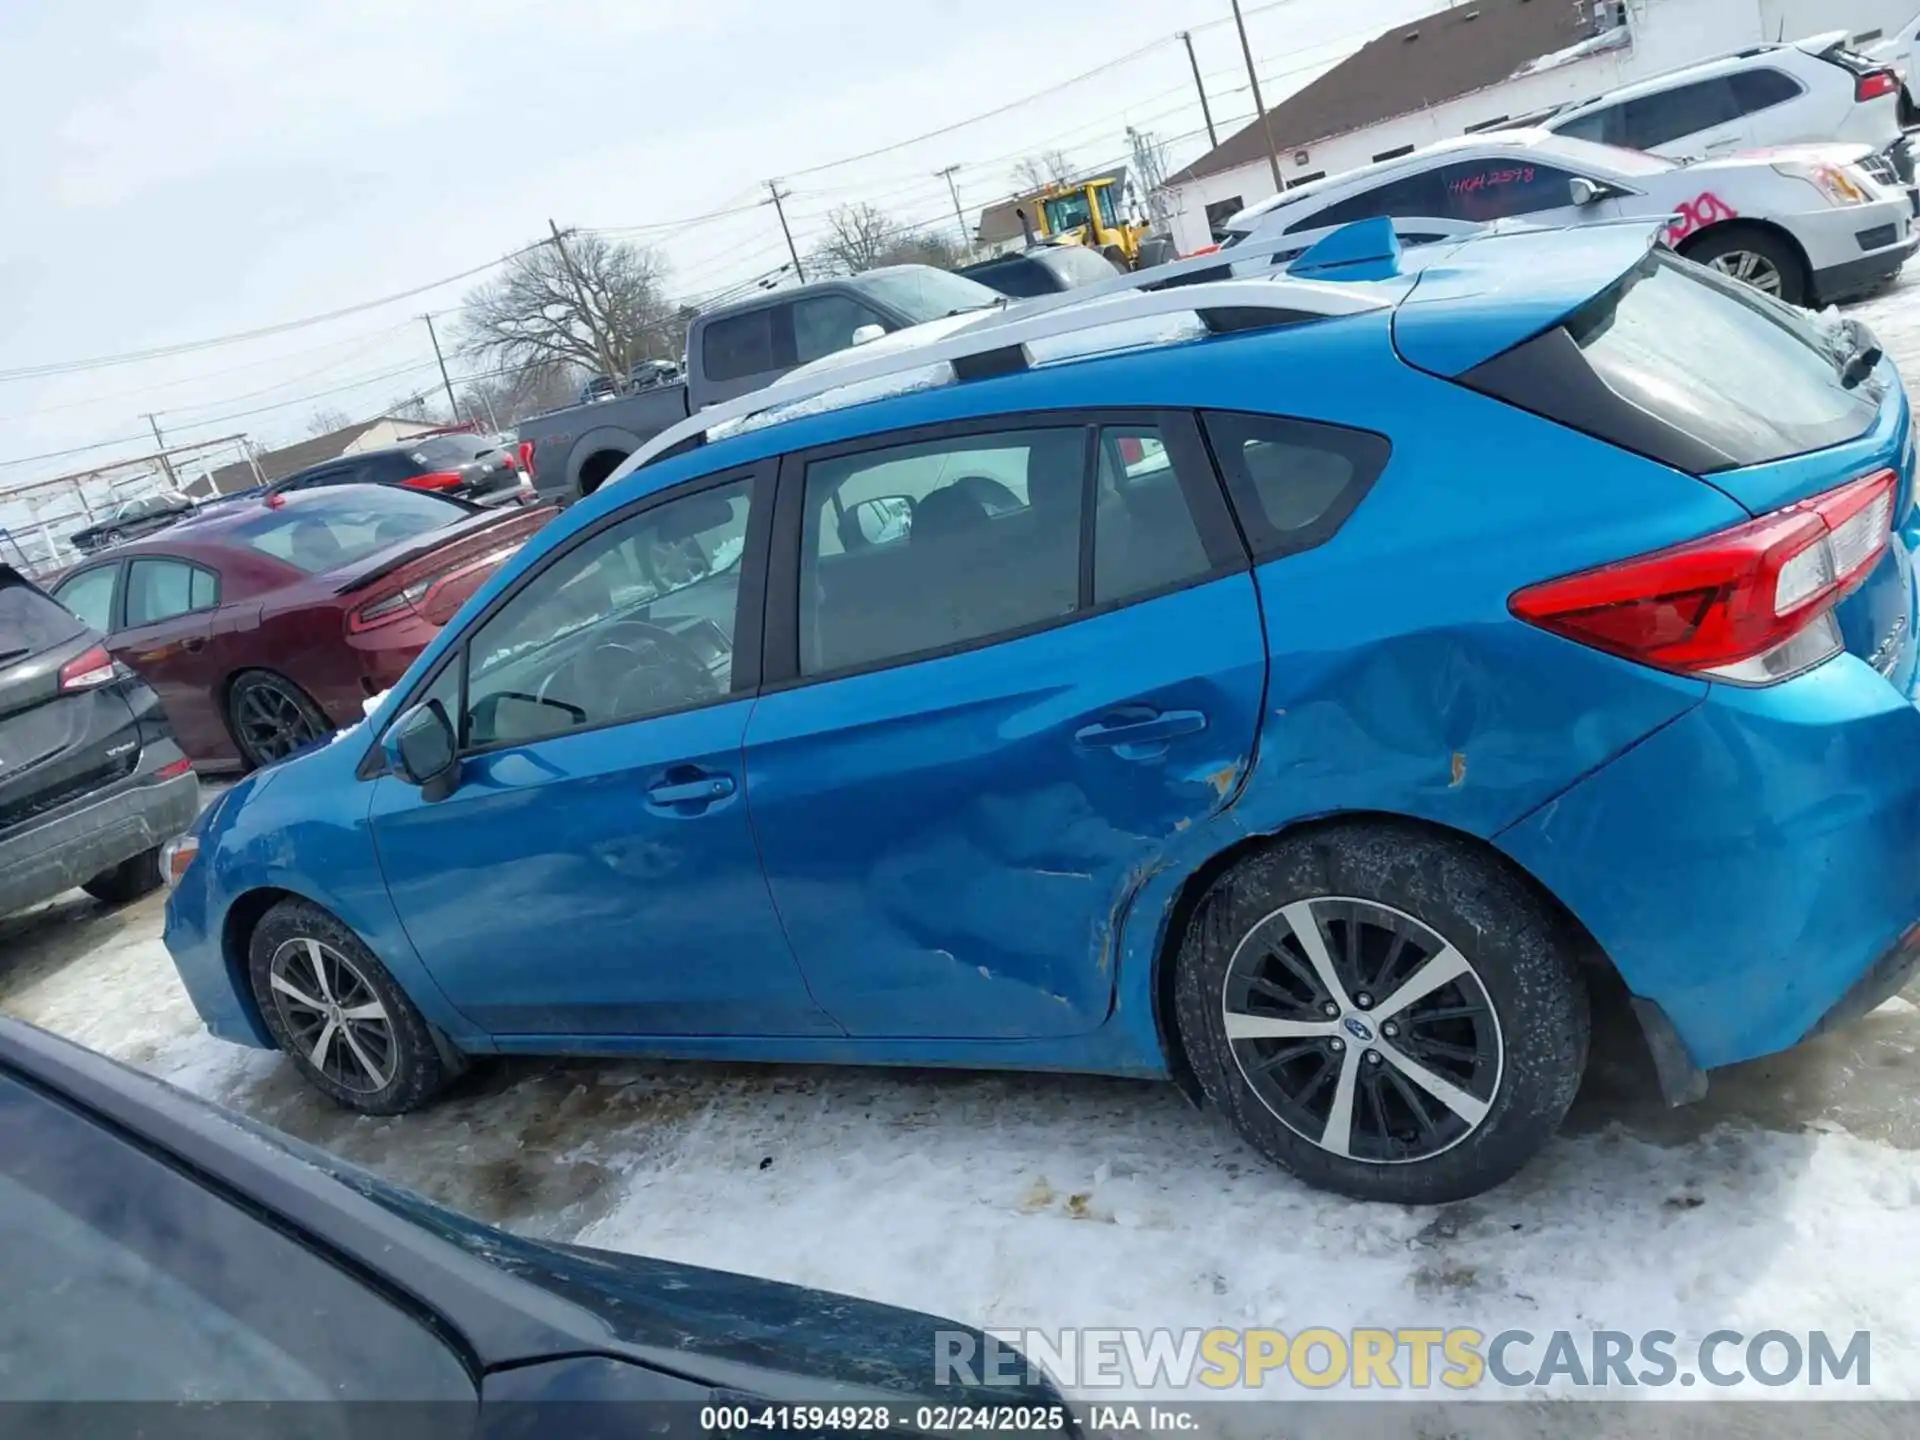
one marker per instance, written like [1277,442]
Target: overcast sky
[187,169]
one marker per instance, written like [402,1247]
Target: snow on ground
[1789,1199]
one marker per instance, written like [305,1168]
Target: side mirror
[884,519]
[420,749]
[867,334]
[1584,191]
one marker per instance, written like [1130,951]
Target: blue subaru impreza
[1301,687]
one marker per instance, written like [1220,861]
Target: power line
[129,357]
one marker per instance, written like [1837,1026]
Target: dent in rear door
[951,836]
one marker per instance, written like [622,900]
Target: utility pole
[773,189]
[959,214]
[1206,110]
[579,298]
[173,480]
[453,406]
[1253,79]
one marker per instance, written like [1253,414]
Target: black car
[133,519]
[91,781]
[1043,270]
[157,1249]
[468,467]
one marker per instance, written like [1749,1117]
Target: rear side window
[30,622]
[1684,110]
[1689,368]
[1293,482]
[1762,89]
[162,589]
[736,346]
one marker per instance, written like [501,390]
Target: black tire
[270,717]
[1726,241]
[128,880]
[1521,970]
[383,1067]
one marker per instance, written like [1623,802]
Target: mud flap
[1681,1081]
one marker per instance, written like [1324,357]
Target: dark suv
[468,467]
[1043,270]
[91,781]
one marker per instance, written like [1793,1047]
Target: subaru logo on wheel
[1359,1029]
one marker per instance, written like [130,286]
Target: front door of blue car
[1007,665]
[592,870]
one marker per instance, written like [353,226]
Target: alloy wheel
[1363,1030]
[333,1016]
[1749,268]
[272,723]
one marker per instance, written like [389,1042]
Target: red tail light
[173,769]
[1132,452]
[1752,604]
[1874,84]
[433,598]
[526,458]
[85,671]
[434,480]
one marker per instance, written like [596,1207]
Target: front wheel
[1385,1012]
[339,1015]
[1754,257]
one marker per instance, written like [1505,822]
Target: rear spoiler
[429,542]
[1825,43]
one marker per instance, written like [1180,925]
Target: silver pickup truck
[734,349]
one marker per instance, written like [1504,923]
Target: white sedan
[1803,222]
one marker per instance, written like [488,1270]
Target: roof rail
[998,340]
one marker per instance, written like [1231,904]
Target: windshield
[332,528]
[923,293]
[1069,212]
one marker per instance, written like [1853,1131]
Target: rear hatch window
[1695,370]
[1750,377]
[30,622]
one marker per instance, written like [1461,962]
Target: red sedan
[265,623]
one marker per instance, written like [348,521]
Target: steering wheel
[637,668]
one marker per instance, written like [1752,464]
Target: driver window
[635,622]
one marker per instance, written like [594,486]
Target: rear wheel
[128,880]
[1754,257]
[272,717]
[339,1015]
[1385,1012]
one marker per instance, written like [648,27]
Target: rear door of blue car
[1008,660]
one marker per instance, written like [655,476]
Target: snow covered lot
[1788,1200]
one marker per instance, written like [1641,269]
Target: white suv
[1808,90]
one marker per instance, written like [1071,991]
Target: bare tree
[925,247]
[1039,172]
[325,422]
[857,236]
[501,400]
[410,407]
[592,302]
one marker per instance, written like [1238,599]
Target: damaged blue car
[1304,687]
